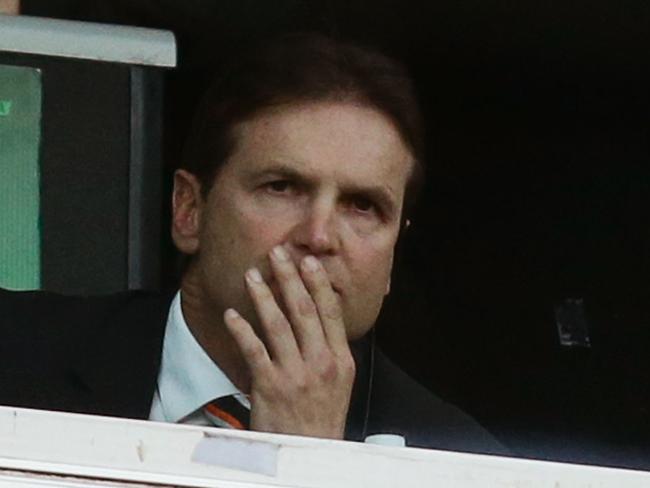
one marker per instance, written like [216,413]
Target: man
[292,195]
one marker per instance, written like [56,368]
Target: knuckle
[326,367]
[276,326]
[332,310]
[306,306]
[265,292]
[254,350]
[328,371]
[300,382]
[266,382]
[272,380]
[285,272]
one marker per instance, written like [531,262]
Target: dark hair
[301,68]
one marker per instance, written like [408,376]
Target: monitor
[80,155]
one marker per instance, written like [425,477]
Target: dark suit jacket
[101,355]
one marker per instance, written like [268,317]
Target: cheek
[370,274]
[263,228]
[372,267]
[241,220]
[254,231]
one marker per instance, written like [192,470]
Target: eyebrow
[380,194]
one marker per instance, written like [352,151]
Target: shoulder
[49,323]
[52,346]
[35,309]
[403,406]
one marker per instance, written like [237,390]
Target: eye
[363,205]
[278,186]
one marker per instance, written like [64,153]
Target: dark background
[538,192]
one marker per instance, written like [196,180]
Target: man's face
[325,179]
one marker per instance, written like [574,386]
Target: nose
[317,231]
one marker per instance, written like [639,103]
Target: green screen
[20,135]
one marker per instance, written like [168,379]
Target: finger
[280,339]
[250,346]
[303,313]
[327,302]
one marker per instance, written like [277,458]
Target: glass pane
[20,135]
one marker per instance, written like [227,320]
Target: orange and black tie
[227,412]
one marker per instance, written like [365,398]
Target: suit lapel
[117,372]
[356,423]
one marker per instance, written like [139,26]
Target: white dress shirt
[188,378]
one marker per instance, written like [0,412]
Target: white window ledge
[87,40]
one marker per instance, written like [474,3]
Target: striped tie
[227,412]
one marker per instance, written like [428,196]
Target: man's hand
[301,378]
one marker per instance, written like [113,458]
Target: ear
[187,203]
[390,274]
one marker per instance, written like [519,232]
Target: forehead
[337,140]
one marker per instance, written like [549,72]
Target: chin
[356,333]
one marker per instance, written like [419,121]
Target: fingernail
[310,263]
[281,253]
[231,313]
[253,274]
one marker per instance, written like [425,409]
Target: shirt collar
[188,378]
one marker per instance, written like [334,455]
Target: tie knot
[228,412]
